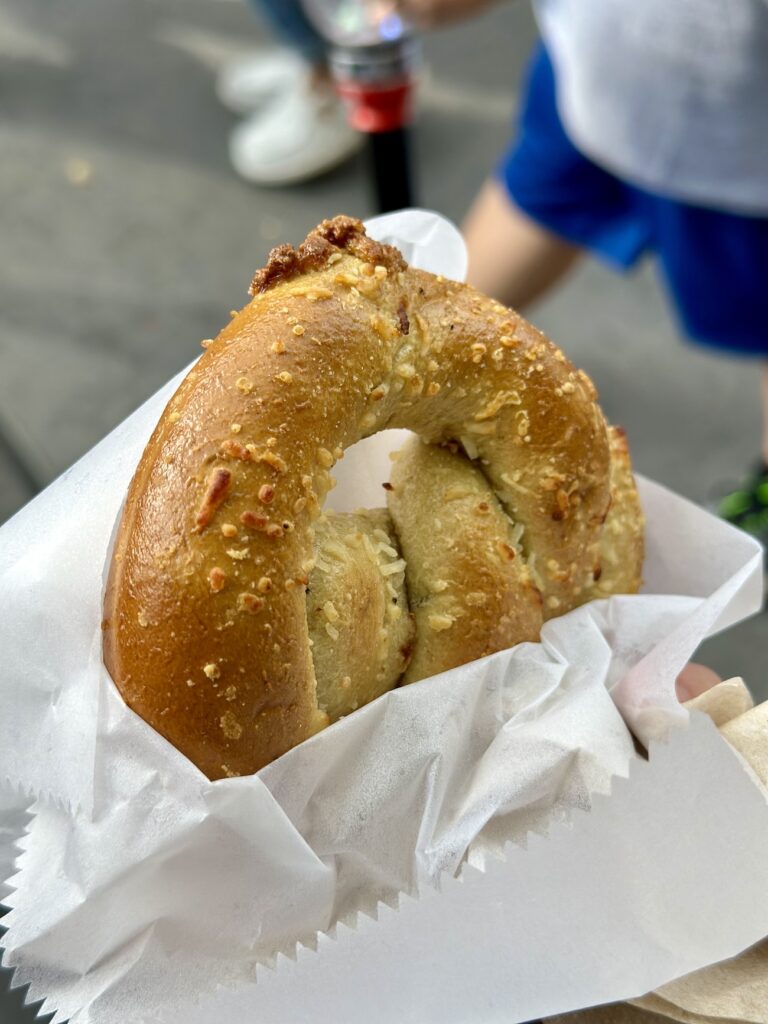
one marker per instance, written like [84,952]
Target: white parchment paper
[143,886]
[604,907]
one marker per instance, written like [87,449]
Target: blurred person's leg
[546,204]
[247,83]
[511,256]
[297,127]
[291,25]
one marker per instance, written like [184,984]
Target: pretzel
[240,619]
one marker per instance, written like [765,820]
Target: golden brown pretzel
[206,611]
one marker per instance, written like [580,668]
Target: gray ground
[125,238]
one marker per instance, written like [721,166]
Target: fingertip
[694,680]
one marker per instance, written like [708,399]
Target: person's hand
[695,680]
[429,14]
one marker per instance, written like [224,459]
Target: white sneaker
[246,84]
[300,135]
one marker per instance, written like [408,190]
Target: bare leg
[511,257]
[764,394]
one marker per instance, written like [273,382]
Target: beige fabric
[614,1013]
[749,735]
[734,990]
[723,702]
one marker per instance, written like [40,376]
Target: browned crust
[224,498]
[339,233]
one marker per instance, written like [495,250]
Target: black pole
[390,157]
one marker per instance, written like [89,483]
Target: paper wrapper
[145,892]
[736,990]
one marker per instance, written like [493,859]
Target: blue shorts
[715,264]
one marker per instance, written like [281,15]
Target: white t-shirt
[671,95]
